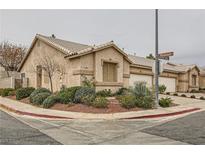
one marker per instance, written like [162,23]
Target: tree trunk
[51,83]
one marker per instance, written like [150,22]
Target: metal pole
[156,75]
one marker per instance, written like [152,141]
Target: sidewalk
[29,110]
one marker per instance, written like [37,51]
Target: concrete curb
[63,117]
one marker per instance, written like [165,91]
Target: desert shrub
[50,101]
[104,93]
[202,98]
[162,88]
[165,102]
[40,97]
[12,93]
[67,95]
[6,91]
[122,91]
[168,93]
[24,92]
[183,95]
[194,91]
[127,101]
[86,82]
[175,94]
[100,102]
[140,89]
[146,102]
[84,93]
[192,96]
[37,91]
[1,90]
[87,99]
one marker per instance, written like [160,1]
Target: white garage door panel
[141,78]
[170,83]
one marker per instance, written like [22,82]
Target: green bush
[84,93]
[24,92]
[168,93]
[12,93]
[100,102]
[194,91]
[1,90]
[162,89]
[192,96]
[146,102]
[40,97]
[127,101]
[202,98]
[183,95]
[175,94]
[50,101]
[165,102]
[37,91]
[67,95]
[140,89]
[104,93]
[6,91]
[122,91]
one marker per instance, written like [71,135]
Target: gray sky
[181,31]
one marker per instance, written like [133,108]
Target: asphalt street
[189,129]
[13,131]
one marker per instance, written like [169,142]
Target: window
[194,80]
[109,72]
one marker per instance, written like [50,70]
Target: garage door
[170,83]
[141,78]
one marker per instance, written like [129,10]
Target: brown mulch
[112,108]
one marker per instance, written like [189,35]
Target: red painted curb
[60,117]
[32,114]
[164,114]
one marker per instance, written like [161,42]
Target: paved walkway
[184,104]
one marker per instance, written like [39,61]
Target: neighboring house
[108,65]
[202,78]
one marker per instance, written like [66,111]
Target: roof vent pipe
[53,36]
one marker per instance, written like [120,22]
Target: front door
[39,76]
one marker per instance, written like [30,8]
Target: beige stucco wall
[68,79]
[202,81]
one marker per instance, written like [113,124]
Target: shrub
[50,101]
[183,95]
[100,102]
[146,102]
[67,95]
[122,91]
[12,93]
[202,98]
[194,91]
[140,89]
[165,102]
[175,94]
[162,88]
[1,90]
[40,97]
[127,101]
[104,93]
[193,96]
[6,91]
[86,82]
[37,91]
[84,92]
[168,93]
[24,92]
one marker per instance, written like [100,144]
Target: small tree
[150,56]
[51,67]
[11,56]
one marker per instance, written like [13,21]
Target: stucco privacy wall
[41,49]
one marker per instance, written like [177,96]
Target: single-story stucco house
[108,65]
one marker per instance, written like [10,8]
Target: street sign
[165,55]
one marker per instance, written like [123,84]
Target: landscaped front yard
[86,99]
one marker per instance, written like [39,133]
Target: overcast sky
[181,31]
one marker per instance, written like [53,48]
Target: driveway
[13,131]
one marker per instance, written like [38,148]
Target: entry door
[39,76]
